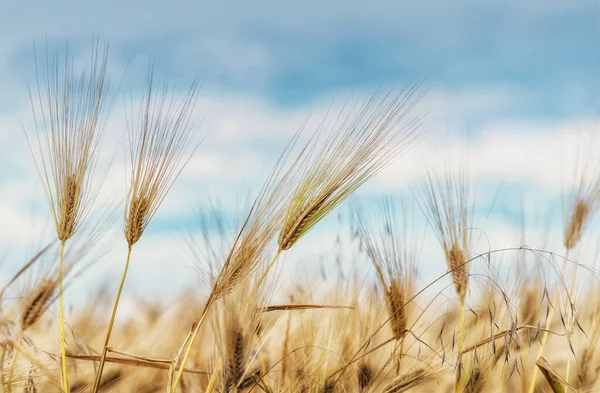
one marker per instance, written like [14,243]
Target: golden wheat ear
[448,202]
[366,137]
[70,112]
[583,198]
[390,249]
[36,303]
[162,139]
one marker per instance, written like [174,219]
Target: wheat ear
[159,138]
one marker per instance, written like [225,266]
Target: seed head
[160,138]
[70,111]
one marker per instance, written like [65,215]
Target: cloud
[520,76]
[294,53]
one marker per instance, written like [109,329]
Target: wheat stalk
[395,265]
[161,142]
[69,112]
[37,303]
[448,204]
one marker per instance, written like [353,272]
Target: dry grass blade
[364,139]
[555,381]
[297,307]
[152,363]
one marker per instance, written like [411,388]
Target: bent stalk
[111,324]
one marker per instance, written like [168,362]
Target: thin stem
[213,378]
[460,343]
[61,319]
[189,348]
[110,325]
[547,327]
[397,353]
[174,362]
[2,381]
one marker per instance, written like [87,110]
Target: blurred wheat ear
[448,202]
[389,250]
[161,142]
[70,111]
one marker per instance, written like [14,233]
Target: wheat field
[473,329]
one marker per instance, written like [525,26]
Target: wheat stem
[111,323]
[63,351]
[213,378]
[460,341]
[2,381]
[189,348]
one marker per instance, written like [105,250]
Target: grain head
[161,141]
[241,332]
[37,302]
[70,110]
[337,160]
[448,203]
[389,250]
[575,225]
[582,199]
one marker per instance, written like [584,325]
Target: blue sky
[520,76]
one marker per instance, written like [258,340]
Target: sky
[512,84]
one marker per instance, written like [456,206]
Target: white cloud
[246,134]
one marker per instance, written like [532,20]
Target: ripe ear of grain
[134,226]
[293,229]
[395,299]
[456,262]
[34,308]
[335,162]
[581,212]
[68,208]
[236,358]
